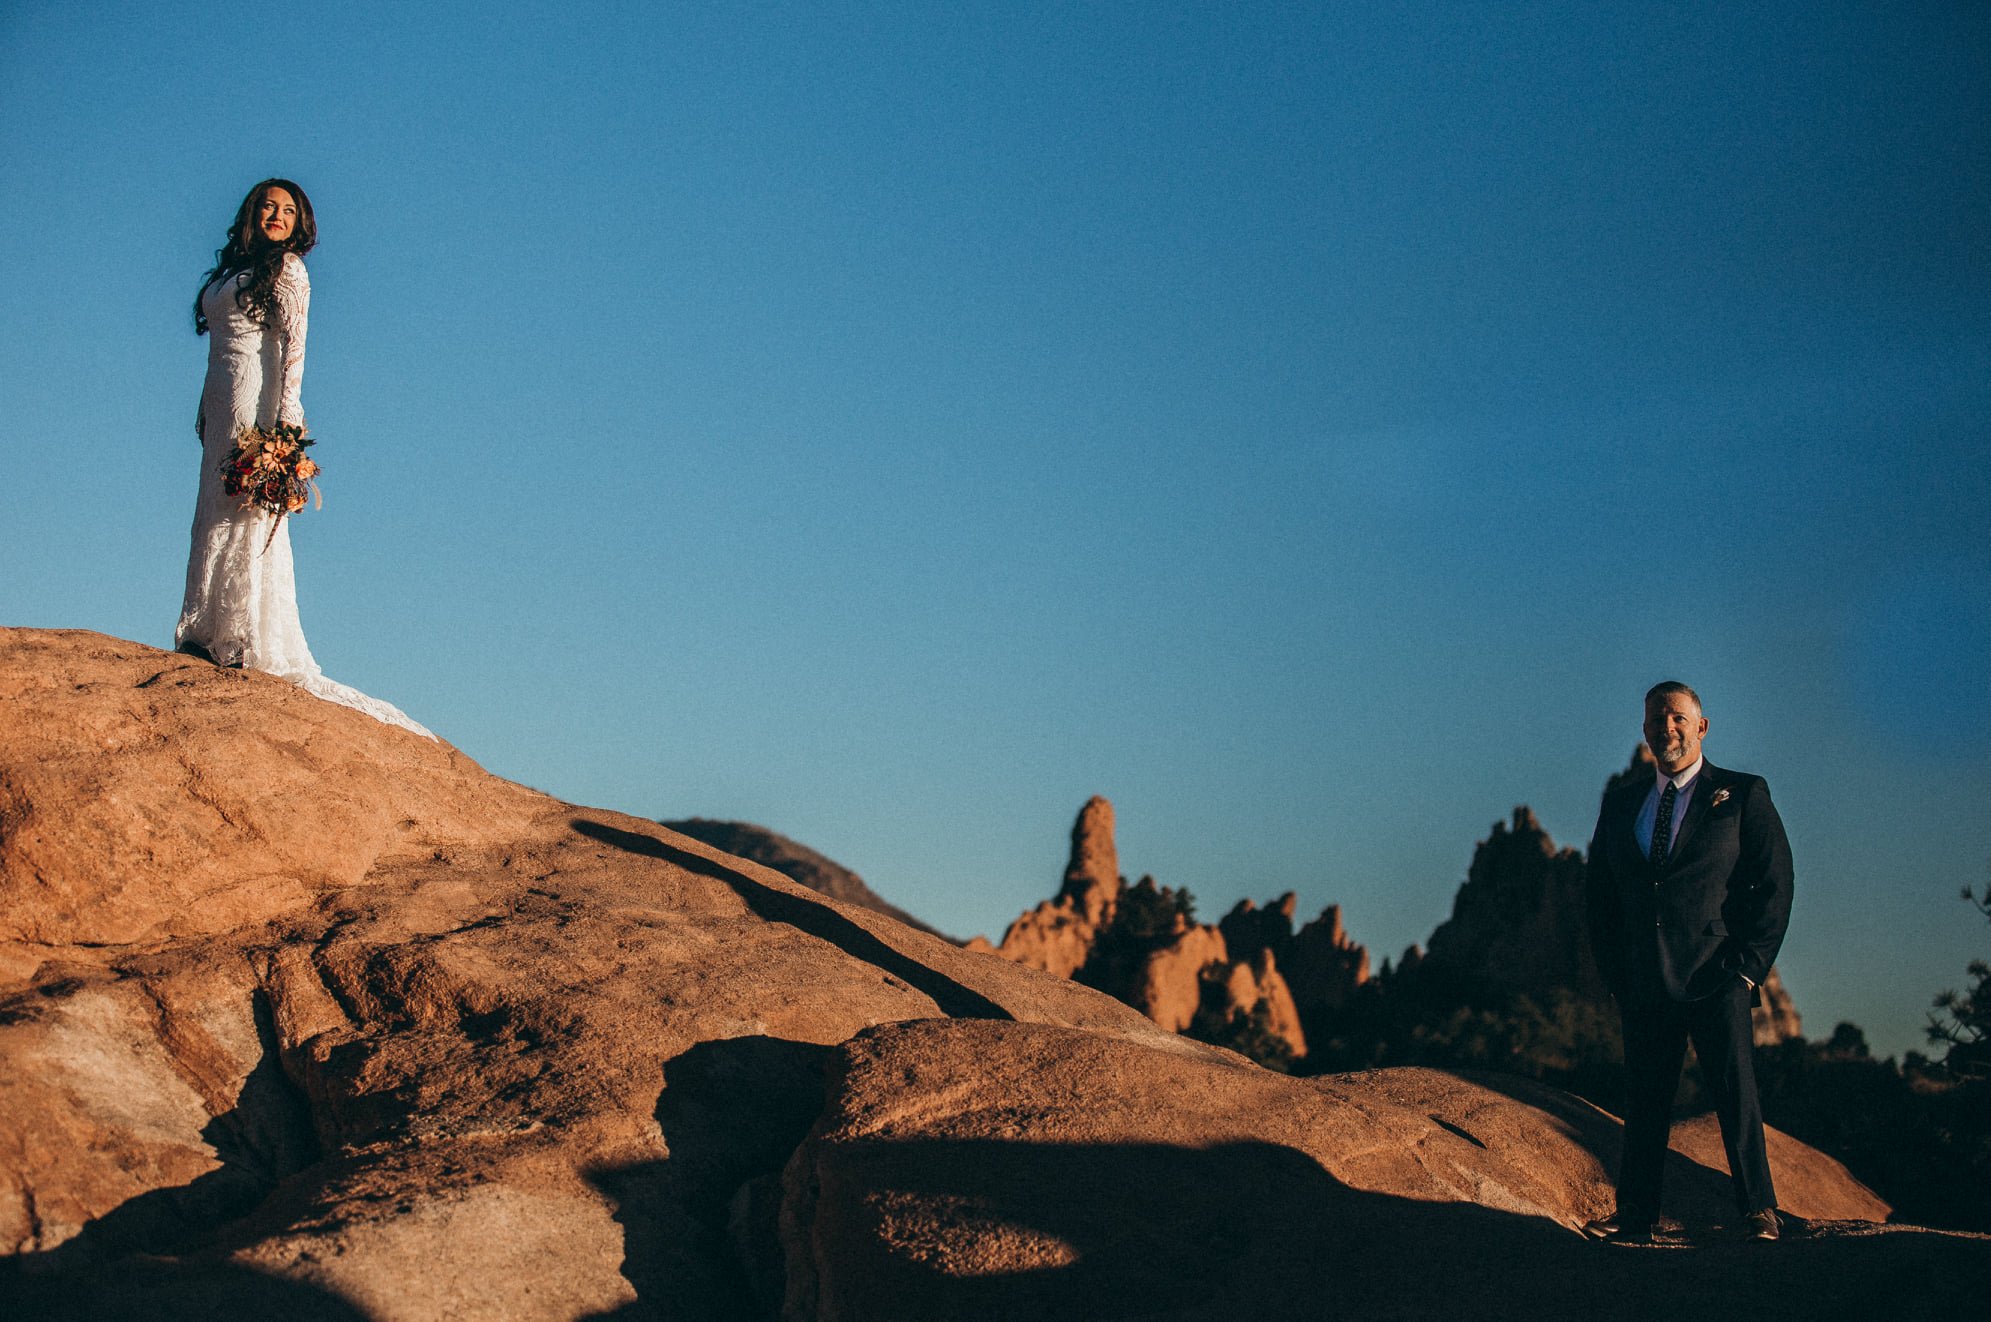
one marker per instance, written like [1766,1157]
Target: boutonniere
[1720,796]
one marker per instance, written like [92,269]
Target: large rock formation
[302,1015]
[1399,1193]
[1059,934]
[1096,929]
[793,860]
[1775,1018]
[289,995]
[1254,987]
[1092,870]
[1518,919]
[1322,965]
[1517,924]
[1168,985]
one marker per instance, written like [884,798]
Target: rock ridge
[1138,944]
[795,861]
[302,1015]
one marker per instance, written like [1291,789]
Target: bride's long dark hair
[247,250]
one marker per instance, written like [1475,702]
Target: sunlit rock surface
[304,1016]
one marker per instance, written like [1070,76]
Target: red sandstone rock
[1247,987]
[1058,935]
[1092,875]
[1401,1193]
[301,1016]
[459,1048]
[1206,967]
[1278,1000]
[1320,963]
[1054,938]
[1170,987]
[1775,1019]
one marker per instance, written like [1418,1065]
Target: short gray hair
[1667,687]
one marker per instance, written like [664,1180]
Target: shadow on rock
[813,917]
[120,1258]
[699,1235]
[1701,1198]
[265,1137]
[155,1290]
[979,1229]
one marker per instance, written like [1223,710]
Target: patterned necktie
[1662,826]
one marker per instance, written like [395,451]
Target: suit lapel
[1711,780]
[1625,819]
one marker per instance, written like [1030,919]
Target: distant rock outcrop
[1058,935]
[1517,925]
[1519,918]
[1242,969]
[1092,870]
[1775,1018]
[1322,966]
[795,861]
[1169,982]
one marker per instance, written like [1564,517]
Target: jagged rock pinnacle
[1092,876]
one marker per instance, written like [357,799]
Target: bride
[241,602]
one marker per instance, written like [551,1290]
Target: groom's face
[1674,728]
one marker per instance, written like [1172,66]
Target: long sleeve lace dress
[241,602]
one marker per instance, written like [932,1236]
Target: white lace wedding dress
[241,602]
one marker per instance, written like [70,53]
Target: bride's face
[276,215]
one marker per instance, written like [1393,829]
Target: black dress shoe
[1619,1228]
[1762,1225]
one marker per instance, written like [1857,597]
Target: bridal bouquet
[269,470]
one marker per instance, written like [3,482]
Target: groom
[1689,889]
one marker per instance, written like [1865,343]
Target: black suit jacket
[1718,905]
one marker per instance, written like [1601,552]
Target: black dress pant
[1656,1036]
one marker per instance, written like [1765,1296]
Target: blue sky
[1311,427]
